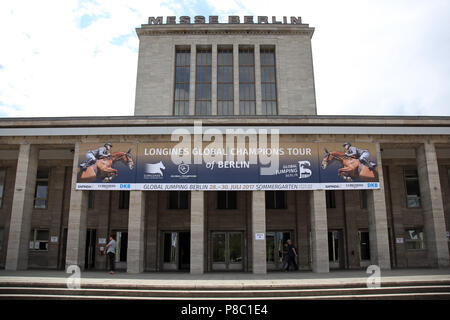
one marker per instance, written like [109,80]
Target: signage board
[210,166]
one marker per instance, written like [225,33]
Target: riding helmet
[347,143]
[108,144]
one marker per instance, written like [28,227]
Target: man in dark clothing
[292,254]
[285,257]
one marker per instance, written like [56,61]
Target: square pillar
[258,97]
[258,232]
[378,228]
[136,227]
[236,79]
[432,204]
[22,207]
[214,79]
[319,232]
[77,225]
[192,80]
[197,232]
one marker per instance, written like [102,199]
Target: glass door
[227,251]
[275,241]
[333,248]
[176,250]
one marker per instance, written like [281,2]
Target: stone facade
[155,237]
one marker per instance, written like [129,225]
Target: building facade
[224,75]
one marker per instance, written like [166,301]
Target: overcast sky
[79,58]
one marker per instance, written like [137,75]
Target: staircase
[437,289]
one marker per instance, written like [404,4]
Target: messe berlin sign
[196,164]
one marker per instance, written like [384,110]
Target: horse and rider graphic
[356,164]
[99,164]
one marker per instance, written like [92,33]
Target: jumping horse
[103,169]
[352,167]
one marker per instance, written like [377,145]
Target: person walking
[111,252]
[285,257]
[292,254]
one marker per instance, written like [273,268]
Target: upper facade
[250,66]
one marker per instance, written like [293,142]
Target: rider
[362,154]
[93,155]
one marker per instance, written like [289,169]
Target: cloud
[80,57]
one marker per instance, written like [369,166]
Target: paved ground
[235,280]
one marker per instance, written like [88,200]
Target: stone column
[319,231]
[432,204]
[77,225]
[378,228]
[236,79]
[214,80]
[259,228]
[22,207]
[197,232]
[258,98]
[136,227]
[193,70]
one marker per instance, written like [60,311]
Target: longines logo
[231,20]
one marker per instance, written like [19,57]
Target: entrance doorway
[89,255]
[335,249]
[176,250]
[121,249]
[227,251]
[275,241]
[364,248]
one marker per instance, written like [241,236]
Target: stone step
[398,296]
[425,290]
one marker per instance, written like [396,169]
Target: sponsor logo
[372,185]
[125,186]
[304,172]
[155,168]
[183,168]
[84,186]
[331,186]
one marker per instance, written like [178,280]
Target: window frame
[247,104]
[203,105]
[124,199]
[420,240]
[265,81]
[185,68]
[405,179]
[39,182]
[34,240]
[222,84]
[179,200]
[229,205]
[330,199]
[276,206]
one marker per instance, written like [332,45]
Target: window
[276,200]
[203,82]
[2,185]
[414,239]
[41,193]
[182,81]
[124,199]
[268,82]
[330,198]
[412,188]
[90,199]
[363,199]
[247,101]
[226,200]
[225,90]
[39,239]
[178,199]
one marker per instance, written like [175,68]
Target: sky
[79,58]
